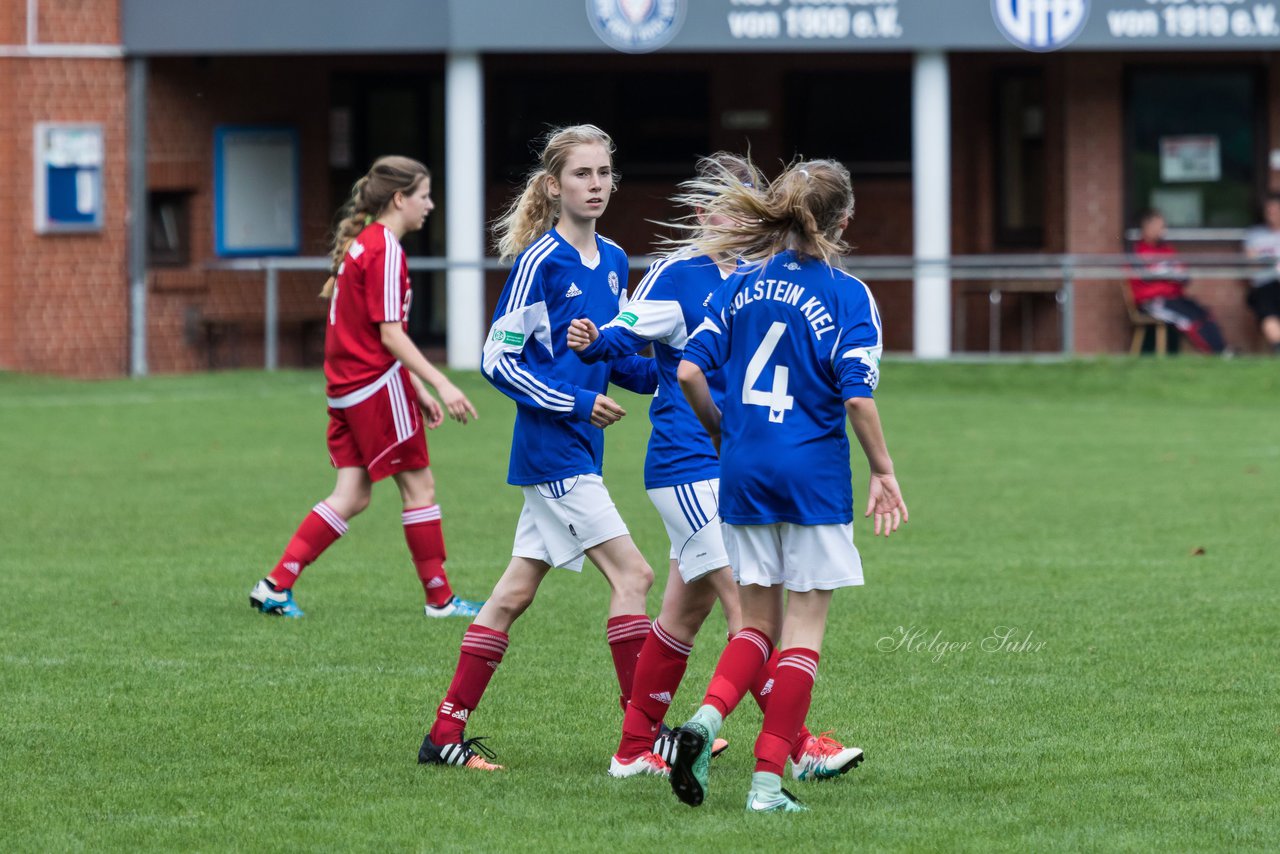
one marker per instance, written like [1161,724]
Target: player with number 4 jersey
[682,476]
[798,342]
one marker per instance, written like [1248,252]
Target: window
[862,118]
[168,229]
[658,136]
[1192,146]
[1020,164]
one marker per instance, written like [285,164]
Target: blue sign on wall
[68,177]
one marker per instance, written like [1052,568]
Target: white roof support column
[464,213]
[137,215]
[931,189]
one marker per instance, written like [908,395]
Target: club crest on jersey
[613,282]
[1040,25]
[636,26]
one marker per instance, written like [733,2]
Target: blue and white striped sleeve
[653,314]
[522,321]
[855,357]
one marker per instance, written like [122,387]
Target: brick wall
[63,298]
[12,196]
[65,295]
[200,317]
[77,21]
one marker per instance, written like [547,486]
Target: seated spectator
[1159,288]
[1263,241]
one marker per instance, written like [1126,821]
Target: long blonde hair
[802,210]
[534,211]
[369,199]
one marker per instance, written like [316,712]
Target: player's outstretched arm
[693,382]
[400,345]
[884,497]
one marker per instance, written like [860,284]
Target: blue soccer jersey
[794,339]
[669,304]
[527,359]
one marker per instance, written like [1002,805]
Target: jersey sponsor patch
[515,339]
[629,318]
[356,250]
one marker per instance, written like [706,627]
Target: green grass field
[146,707]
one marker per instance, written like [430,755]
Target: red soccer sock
[317,532]
[426,544]
[762,688]
[739,665]
[626,636]
[788,704]
[482,651]
[659,669]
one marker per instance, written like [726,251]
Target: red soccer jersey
[372,288]
[1160,276]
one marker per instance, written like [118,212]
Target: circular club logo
[636,26]
[1040,25]
[613,282]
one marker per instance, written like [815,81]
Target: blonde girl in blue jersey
[798,342]
[682,477]
[563,270]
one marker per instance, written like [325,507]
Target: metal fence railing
[1049,274]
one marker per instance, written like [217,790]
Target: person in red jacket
[1159,288]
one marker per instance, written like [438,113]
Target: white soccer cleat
[645,763]
[455,607]
[781,802]
[823,758]
[266,598]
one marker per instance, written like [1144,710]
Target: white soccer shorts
[691,514]
[799,557]
[560,520]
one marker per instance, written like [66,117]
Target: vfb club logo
[636,26]
[1040,25]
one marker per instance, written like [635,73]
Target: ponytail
[534,211]
[801,210]
[529,215]
[369,198]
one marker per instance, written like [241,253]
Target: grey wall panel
[284,26]
[841,26]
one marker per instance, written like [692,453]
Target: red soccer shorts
[382,434]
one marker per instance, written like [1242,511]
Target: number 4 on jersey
[776,398]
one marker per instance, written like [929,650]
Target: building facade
[973,128]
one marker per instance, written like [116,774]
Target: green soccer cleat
[692,764]
[783,802]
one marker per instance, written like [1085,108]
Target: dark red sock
[788,704]
[317,532]
[626,636]
[659,670]
[426,544]
[762,688]
[482,651]
[739,665]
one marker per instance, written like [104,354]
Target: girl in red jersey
[376,381]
